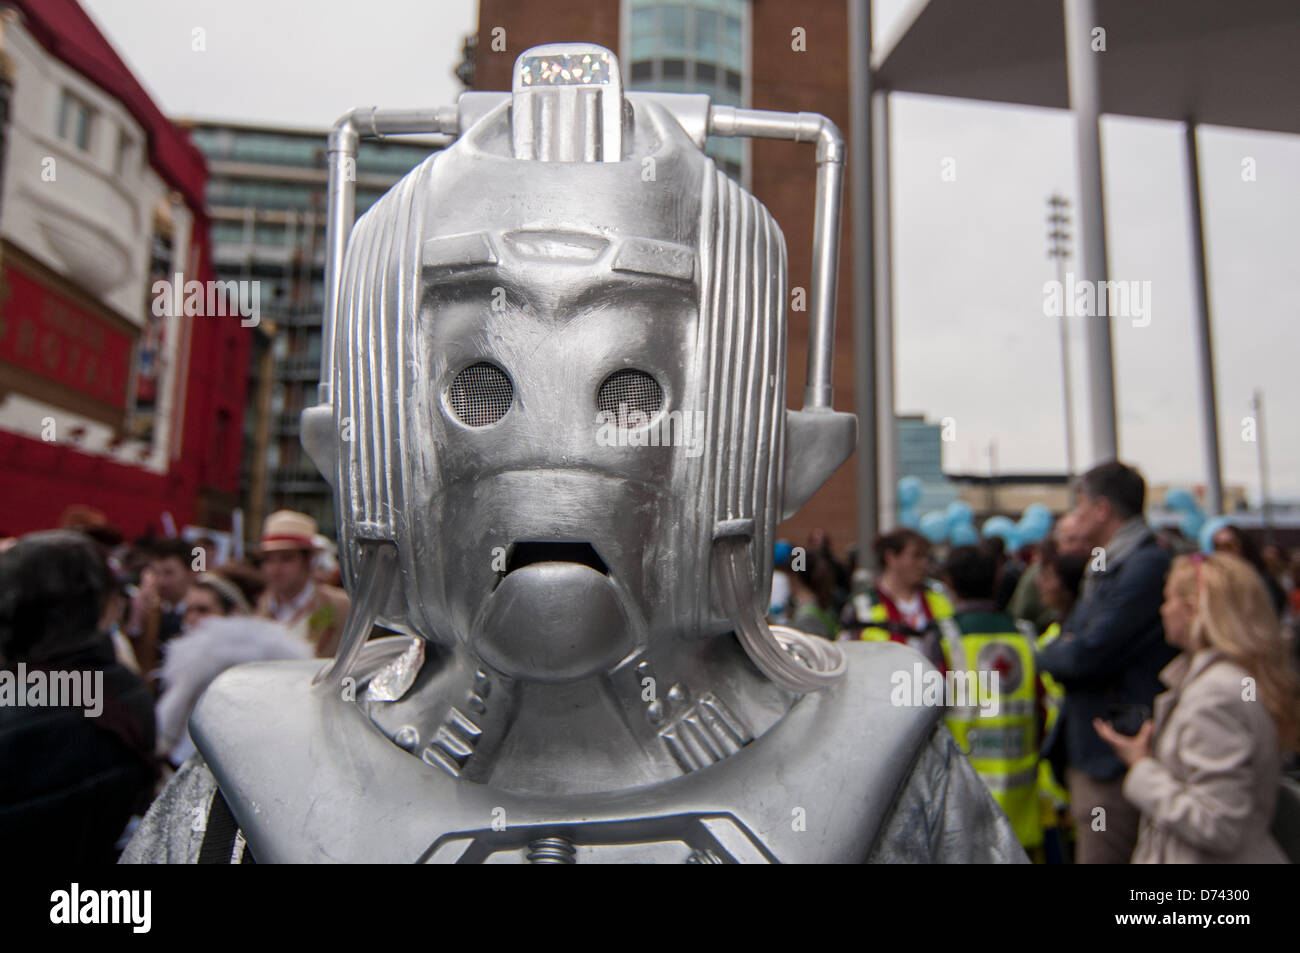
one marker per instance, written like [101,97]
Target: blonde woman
[1205,772]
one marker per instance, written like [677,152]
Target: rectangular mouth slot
[527,553]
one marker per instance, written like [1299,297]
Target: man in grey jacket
[1110,654]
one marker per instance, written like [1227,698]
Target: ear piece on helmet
[320,441]
[816,443]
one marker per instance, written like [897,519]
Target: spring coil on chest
[552,850]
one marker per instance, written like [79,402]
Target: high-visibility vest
[1002,747]
[1053,795]
[1055,691]
[825,624]
[871,612]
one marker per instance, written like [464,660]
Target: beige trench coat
[1208,793]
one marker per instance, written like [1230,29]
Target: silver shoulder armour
[327,786]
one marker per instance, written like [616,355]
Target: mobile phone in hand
[1127,719]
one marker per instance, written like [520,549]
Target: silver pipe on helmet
[806,127]
[344,139]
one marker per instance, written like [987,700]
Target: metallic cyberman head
[559,375]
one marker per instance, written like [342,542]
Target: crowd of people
[1148,695]
[147,627]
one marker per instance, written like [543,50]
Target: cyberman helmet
[552,403]
[552,413]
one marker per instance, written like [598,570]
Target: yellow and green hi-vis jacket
[995,720]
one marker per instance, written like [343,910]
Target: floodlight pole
[1083,68]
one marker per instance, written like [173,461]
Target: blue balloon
[1181,500]
[963,534]
[781,552]
[910,517]
[1209,529]
[1190,524]
[1036,520]
[958,512]
[934,526]
[909,491]
[1037,512]
[998,526]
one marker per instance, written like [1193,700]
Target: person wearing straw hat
[313,611]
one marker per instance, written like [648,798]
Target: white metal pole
[864,334]
[1204,337]
[1263,466]
[1058,236]
[886,427]
[1083,68]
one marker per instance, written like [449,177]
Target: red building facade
[100,403]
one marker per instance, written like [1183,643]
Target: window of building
[691,46]
[76,118]
[390,158]
[228,233]
[278,149]
[124,160]
[270,233]
[706,34]
[672,30]
[261,194]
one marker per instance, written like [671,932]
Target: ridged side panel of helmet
[743,310]
[380,277]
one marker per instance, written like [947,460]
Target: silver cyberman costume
[552,413]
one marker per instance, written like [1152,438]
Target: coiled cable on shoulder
[376,573]
[795,661]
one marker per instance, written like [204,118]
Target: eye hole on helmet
[627,394]
[480,395]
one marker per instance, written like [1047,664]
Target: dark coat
[1111,651]
[69,783]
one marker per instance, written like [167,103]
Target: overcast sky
[972,341]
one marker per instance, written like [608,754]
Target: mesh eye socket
[630,390]
[480,395]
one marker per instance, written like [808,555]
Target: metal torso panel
[328,785]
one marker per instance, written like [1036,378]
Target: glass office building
[692,46]
[920,454]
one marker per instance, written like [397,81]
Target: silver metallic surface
[819,786]
[574,546]
[764,805]
[395,679]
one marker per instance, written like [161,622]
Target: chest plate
[310,779]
